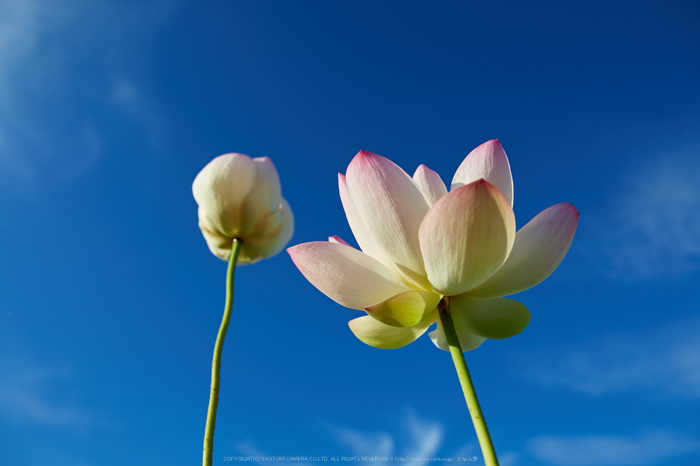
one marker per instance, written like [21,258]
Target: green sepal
[494,318]
[405,309]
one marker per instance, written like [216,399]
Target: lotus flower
[241,198]
[424,248]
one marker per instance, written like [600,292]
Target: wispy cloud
[418,438]
[666,359]
[600,450]
[425,437]
[65,65]
[417,441]
[364,443]
[411,440]
[27,395]
[509,458]
[140,108]
[249,449]
[19,35]
[654,226]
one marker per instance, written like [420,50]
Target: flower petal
[466,236]
[490,318]
[467,340]
[262,201]
[362,235]
[274,241]
[430,184]
[254,248]
[488,161]
[220,189]
[391,208]
[344,274]
[539,248]
[219,245]
[405,309]
[374,333]
[338,240]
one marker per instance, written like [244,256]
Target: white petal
[430,184]
[220,189]
[467,340]
[362,235]
[488,161]
[374,333]
[466,236]
[219,245]
[495,318]
[272,243]
[263,200]
[391,208]
[344,274]
[253,249]
[539,248]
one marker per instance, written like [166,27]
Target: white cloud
[418,438]
[666,359]
[364,443]
[422,439]
[63,64]
[412,440]
[509,458]
[140,108]
[654,226]
[248,448]
[26,396]
[425,436]
[601,450]
[470,449]
[18,40]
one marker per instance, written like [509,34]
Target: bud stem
[216,361]
[465,380]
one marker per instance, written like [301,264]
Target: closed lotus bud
[240,198]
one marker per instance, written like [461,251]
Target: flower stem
[465,380]
[216,361]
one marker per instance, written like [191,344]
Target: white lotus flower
[422,245]
[241,198]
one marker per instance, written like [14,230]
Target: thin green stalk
[465,380]
[216,361]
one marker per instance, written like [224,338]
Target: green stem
[216,361]
[465,380]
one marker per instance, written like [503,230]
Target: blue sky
[110,300]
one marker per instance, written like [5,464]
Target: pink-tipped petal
[362,235]
[488,161]
[466,236]
[347,276]
[430,184]
[374,333]
[337,240]
[539,248]
[391,208]
[467,340]
[495,318]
